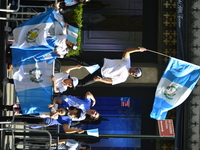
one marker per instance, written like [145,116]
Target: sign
[166,127]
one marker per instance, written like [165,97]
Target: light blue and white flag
[68,1]
[175,86]
[92,69]
[93,132]
[72,34]
[33,85]
[20,55]
[33,33]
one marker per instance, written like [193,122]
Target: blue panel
[122,120]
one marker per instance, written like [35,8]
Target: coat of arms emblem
[32,35]
[170,91]
[35,75]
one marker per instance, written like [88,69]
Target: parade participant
[112,71]
[84,104]
[61,81]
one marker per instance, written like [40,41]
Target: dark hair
[139,76]
[89,120]
[79,111]
[87,147]
[66,111]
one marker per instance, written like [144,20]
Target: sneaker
[16,112]
[16,106]
[5,81]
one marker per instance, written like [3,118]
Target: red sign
[166,127]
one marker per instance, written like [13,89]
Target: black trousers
[89,79]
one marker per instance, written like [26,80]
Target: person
[69,144]
[64,119]
[57,36]
[64,144]
[111,71]
[61,81]
[68,5]
[15,108]
[83,104]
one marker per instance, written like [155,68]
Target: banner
[33,85]
[33,32]
[175,86]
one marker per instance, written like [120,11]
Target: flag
[33,33]
[125,101]
[68,1]
[175,86]
[33,85]
[72,34]
[20,55]
[93,132]
[92,69]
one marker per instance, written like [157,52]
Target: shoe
[16,105]
[5,81]
[16,112]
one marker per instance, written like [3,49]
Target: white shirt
[116,69]
[69,145]
[48,114]
[58,30]
[59,78]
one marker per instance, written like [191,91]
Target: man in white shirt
[112,71]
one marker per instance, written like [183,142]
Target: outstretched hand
[79,67]
[80,131]
[97,78]
[142,49]
[50,105]
[53,78]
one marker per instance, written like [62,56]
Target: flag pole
[158,53]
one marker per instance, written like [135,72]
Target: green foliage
[75,16]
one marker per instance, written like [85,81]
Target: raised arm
[67,129]
[72,68]
[55,101]
[60,141]
[104,80]
[90,95]
[128,51]
[56,90]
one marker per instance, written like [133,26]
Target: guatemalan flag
[175,86]
[33,63]
[33,85]
[32,34]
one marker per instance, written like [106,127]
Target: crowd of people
[67,110]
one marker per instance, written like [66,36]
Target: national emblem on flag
[33,32]
[125,101]
[175,86]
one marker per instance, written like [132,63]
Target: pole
[102,136]
[158,53]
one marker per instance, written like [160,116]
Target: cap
[75,47]
[138,73]
[75,81]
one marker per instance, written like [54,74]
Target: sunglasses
[137,73]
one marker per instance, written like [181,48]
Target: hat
[75,81]
[74,47]
[138,72]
